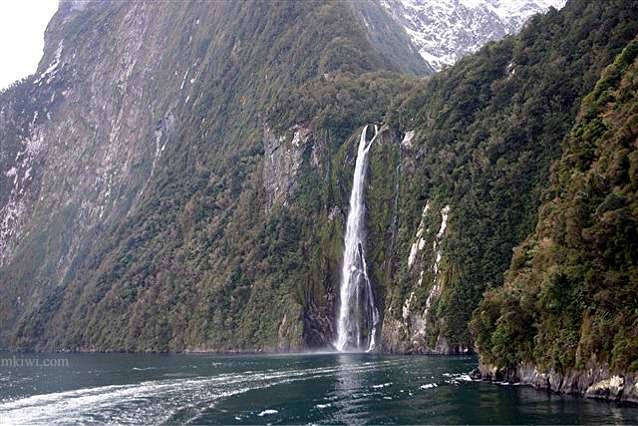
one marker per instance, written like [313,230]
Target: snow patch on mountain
[446,30]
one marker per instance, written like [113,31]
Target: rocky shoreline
[596,382]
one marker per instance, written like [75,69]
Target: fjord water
[281,389]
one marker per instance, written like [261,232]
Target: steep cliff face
[185,181]
[565,318]
[140,182]
[386,36]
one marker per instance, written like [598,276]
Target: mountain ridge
[445,31]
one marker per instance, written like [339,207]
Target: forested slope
[568,306]
[484,135]
[177,178]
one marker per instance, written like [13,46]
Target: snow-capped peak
[446,30]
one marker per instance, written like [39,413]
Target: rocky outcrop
[409,338]
[282,161]
[410,333]
[596,382]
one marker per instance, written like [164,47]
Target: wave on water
[158,401]
[383,385]
[457,378]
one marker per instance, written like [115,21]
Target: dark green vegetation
[193,187]
[154,230]
[486,132]
[571,295]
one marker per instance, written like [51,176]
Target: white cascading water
[358,315]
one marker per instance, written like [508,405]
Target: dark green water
[321,388]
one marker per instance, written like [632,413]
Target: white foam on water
[267,413]
[137,403]
[428,386]
[383,385]
[455,379]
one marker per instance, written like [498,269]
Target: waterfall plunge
[357,311]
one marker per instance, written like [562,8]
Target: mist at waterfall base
[278,389]
[358,315]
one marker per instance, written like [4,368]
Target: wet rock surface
[596,382]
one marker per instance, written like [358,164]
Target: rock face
[408,334]
[143,197]
[184,184]
[446,30]
[281,164]
[381,33]
[595,382]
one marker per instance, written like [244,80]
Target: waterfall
[358,315]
